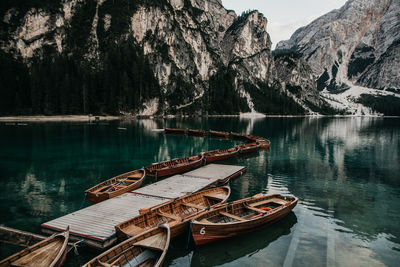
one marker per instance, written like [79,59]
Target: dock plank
[175,186]
[96,224]
[216,171]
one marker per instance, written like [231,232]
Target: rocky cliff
[351,49]
[145,57]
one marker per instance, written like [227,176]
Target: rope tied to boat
[75,247]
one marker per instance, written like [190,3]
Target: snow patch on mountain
[348,100]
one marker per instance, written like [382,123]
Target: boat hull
[168,171]
[196,132]
[155,239]
[93,194]
[264,144]
[175,131]
[219,134]
[206,232]
[176,230]
[248,148]
[210,157]
[52,252]
[176,213]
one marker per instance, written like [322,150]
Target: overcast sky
[285,16]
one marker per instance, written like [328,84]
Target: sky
[285,16]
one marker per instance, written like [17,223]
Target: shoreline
[55,118]
[90,118]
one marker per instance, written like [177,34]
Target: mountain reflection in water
[345,172]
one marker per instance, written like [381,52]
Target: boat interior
[243,211]
[117,183]
[145,252]
[40,256]
[221,151]
[173,212]
[173,163]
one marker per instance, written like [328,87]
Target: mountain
[353,51]
[145,57]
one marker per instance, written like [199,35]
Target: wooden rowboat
[147,249]
[176,213]
[247,148]
[175,131]
[50,252]
[196,132]
[174,166]
[263,142]
[221,154]
[240,217]
[219,134]
[116,186]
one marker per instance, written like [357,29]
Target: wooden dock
[95,225]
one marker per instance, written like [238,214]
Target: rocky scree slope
[351,49]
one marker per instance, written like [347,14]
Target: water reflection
[345,171]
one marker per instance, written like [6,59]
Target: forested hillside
[138,57]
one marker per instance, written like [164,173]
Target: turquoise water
[345,172]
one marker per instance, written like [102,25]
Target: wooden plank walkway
[95,225]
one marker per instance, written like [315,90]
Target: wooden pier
[95,225]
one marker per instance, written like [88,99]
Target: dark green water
[345,172]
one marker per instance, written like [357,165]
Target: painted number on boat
[203,231]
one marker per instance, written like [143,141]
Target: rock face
[198,52]
[297,78]
[356,44]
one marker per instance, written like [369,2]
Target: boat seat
[133,230]
[255,209]
[143,257]
[232,216]
[213,197]
[191,205]
[271,200]
[155,242]
[169,215]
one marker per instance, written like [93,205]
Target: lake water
[345,172]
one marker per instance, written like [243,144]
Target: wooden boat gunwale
[263,142]
[174,166]
[249,147]
[220,154]
[136,239]
[219,134]
[175,130]
[57,261]
[94,196]
[196,132]
[239,222]
[205,231]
